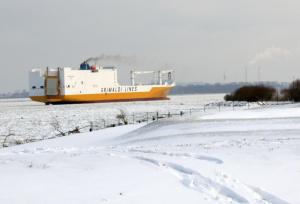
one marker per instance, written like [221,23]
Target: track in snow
[223,189]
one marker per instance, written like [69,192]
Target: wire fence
[11,138]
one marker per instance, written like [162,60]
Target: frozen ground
[28,120]
[245,156]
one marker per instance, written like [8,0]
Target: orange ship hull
[156,93]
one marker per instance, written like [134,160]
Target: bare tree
[57,127]
[122,117]
[10,133]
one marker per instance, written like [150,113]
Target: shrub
[293,92]
[252,94]
[122,117]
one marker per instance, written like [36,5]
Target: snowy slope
[246,156]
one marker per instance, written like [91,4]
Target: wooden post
[91,127]
[147,116]
[104,125]
[133,118]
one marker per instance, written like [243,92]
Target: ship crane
[133,73]
[160,75]
[168,72]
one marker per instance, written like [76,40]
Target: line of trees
[254,93]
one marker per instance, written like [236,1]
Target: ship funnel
[84,66]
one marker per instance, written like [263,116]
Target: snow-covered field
[242,156]
[28,120]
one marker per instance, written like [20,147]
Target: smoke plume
[112,58]
[269,54]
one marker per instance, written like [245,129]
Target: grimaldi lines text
[120,89]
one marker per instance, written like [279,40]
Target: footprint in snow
[226,189]
[194,180]
[199,157]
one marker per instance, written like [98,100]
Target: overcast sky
[200,39]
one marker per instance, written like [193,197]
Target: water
[27,120]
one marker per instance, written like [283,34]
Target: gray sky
[200,39]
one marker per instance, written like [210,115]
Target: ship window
[33,87]
[68,86]
[41,87]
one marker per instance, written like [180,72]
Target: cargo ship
[94,83]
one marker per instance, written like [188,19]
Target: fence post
[190,111]
[147,116]
[204,107]
[156,115]
[133,118]
[232,105]
[91,127]
[219,104]
[277,95]
[104,125]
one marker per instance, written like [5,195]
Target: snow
[28,120]
[240,156]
